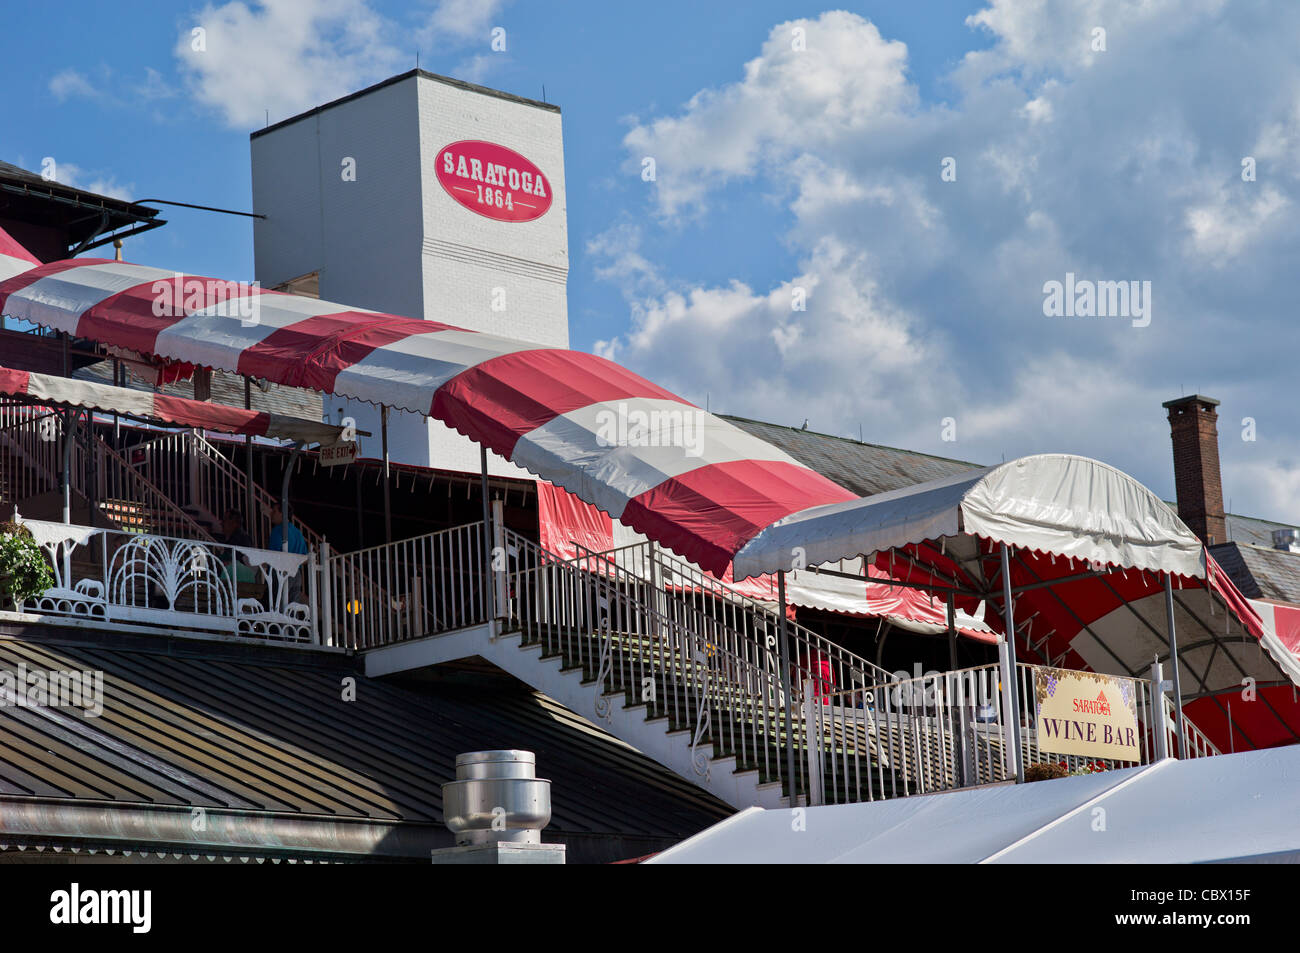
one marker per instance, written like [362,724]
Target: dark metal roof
[423,74]
[864,468]
[261,735]
[79,215]
[1261,572]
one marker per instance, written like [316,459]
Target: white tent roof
[1229,807]
[1052,503]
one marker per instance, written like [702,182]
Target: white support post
[1008,710]
[499,549]
[313,595]
[813,736]
[1179,725]
[326,596]
[1159,728]
[1010,687]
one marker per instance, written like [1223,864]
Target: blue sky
[814,172]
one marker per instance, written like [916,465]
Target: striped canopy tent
[164,409]
[685,478]
[1095,567]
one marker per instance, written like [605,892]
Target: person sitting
[297,543]
[232,533]
[232,530]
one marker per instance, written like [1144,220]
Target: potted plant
[24,571]
[1046,771]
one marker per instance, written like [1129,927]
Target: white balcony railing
[137,581]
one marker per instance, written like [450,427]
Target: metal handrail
[809,649]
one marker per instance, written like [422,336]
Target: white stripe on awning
[614,473]
[416,366]
[58,301]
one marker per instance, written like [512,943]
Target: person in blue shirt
[297,544]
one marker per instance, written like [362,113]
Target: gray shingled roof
[1257,532]
[864,468]
[1261,572]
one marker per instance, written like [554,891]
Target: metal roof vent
[497,799]
[1287,539]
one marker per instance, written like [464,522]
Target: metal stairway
[695,683]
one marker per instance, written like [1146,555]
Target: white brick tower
[421,196]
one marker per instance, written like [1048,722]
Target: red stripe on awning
[506,397]
[191,413]
[9,246]
[312,352]
[686,514]
[128,318]
[12,381]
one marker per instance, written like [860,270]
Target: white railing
[190,469]
[134,581]
[407,589]
[690,590]
[31,439]
[711,666]
[1198,743]
[716,683]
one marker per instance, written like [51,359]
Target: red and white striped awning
[548,410]
[171,411]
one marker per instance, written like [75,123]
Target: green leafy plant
[24,571]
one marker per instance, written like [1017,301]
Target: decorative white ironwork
[116,577]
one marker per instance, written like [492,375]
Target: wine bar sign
[1083,713]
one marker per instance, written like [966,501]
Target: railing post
[1008,659]
[326,595]
[489,611]
[786,688]
[1173,661]
[313,596]
[502,595]
[813,734]
[1158,726]
[1008,710]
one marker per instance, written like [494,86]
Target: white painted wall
[394,241]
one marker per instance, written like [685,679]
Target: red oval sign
[493,181]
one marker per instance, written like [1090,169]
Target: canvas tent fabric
[1050,503]
[172,411]
[569,527]
[1229,808]
[696,483]
[1091,548]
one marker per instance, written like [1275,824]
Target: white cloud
[69,84]
[283,56]
[465,20]
[925,296]
[848,81]
[280,57]
[1220,230]
[70,174]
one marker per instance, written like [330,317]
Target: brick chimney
[1192,424]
